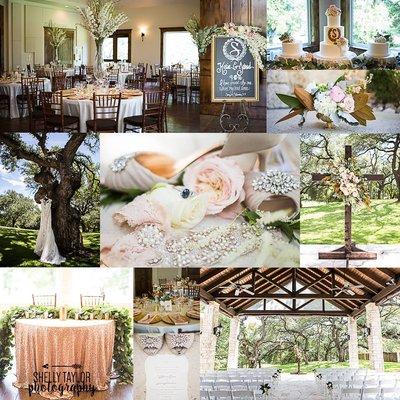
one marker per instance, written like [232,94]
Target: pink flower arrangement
[337,94]
[348,104]
[221,178]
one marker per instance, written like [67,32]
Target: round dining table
[13,88]
[63,353]
[83,108]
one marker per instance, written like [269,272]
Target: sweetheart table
[58,349]
[13,88]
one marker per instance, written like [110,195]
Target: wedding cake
[380,47]
[335,46]
[290,47]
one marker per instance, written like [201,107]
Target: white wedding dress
[46,246]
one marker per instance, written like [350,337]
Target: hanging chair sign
[234,72]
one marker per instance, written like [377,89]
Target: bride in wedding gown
[46,246]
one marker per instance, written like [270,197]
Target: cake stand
[284,57]
[346,59]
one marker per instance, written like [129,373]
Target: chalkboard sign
[234,72]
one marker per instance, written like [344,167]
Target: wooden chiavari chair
[5,104]
[22,99]
[59,81]
[106,108]
[35,108]
[194,88]
[91,301]
[47,300]
[152,113]
[53,113]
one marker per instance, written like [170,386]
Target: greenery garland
[122,355]
[251,35]
[305,63]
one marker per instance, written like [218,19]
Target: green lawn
[17,249]
[322,223]
[292,368]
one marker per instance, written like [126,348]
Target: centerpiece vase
[99,69]
[56,55]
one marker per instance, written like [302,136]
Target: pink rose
[337,94]
[348,104]
[220,177]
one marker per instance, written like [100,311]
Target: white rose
[185,213]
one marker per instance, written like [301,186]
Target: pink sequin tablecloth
[65,353]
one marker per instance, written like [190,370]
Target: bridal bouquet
[342,100]
[347,183]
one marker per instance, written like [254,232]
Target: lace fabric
[151,344]
[46,247]
[179,343]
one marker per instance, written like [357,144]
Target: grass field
[322,223]
[17,249]
[292,368]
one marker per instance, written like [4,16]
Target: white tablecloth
[84,110]
[13,90]
[183,79]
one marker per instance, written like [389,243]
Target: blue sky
[15,181]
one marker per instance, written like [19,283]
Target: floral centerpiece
[346,183]
[382,38]
[101,19]
[286,38]
[333,102]
[251,35]
[57,37]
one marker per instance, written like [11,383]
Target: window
[118,46]
[177,47]
[369,17]
[291,16]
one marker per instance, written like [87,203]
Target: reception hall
[98,66]
[66,335]
[300,334]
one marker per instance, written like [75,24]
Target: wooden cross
[349,251]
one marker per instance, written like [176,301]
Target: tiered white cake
[335,46]
[380,47]
[290,47]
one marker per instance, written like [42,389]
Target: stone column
[233,351]
[208,341]
[375,344]
[353,342]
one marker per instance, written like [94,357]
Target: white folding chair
[371,393]
[220,395]
[392,393]
[239,385]
[207,385]
[350,394]
[204,395]
[242,395]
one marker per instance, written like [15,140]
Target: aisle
[297,387]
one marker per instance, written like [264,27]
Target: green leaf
[291,101]
[108,196]
[250,217]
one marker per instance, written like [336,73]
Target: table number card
[167,377]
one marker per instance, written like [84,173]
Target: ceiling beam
[381,297]
[208,298]
[303,296]
[310,313]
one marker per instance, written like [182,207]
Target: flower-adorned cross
[349,251]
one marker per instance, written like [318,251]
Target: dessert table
[13,88]
[61,348]
[83,108]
